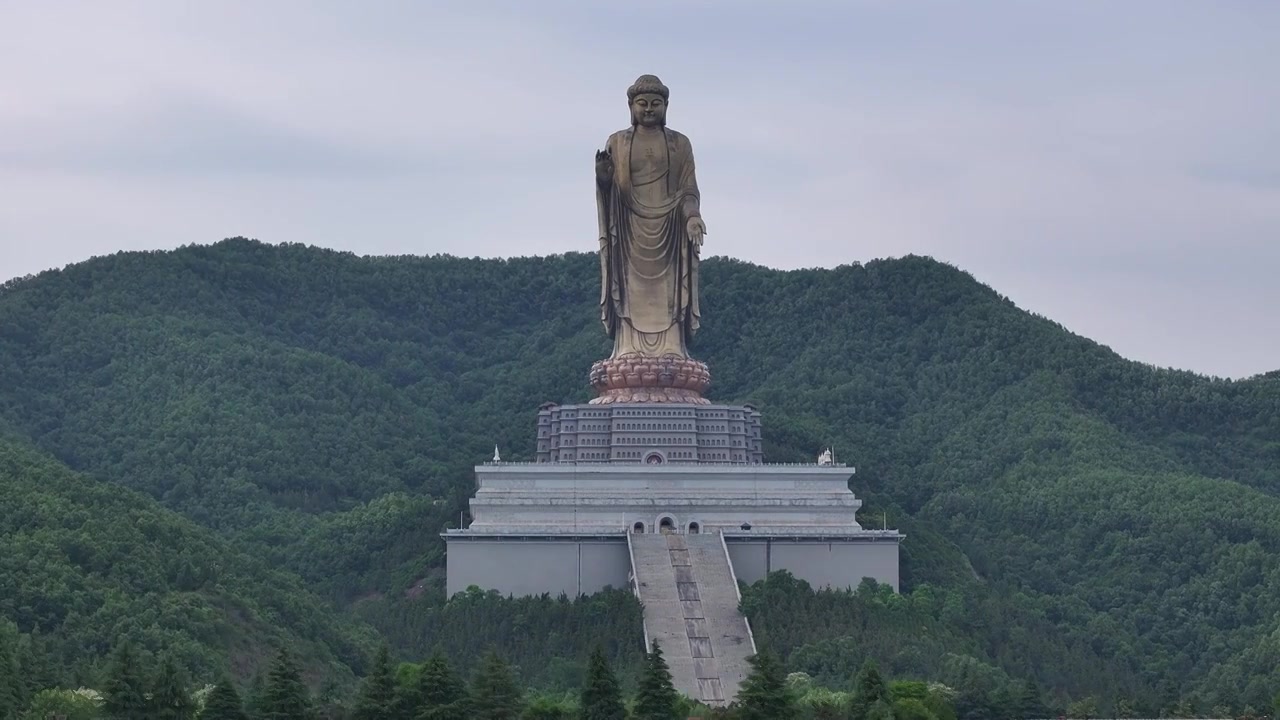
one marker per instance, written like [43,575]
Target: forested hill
[85,564]
[301,403]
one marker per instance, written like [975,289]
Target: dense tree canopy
[220,426]
[85,565]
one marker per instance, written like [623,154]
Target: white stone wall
[529,519]
[839,564]
[772,499]
[534,567]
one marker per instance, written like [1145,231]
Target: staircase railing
[635,588]
[733,577]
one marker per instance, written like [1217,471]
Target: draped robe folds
[648,264]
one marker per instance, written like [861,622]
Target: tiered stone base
[639,379]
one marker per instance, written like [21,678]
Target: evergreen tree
[11,701]
[170,699]
[765,694]
[868,689]
[494,692]
[546,708]
[973,704]
[657,698]
[601,695]
[255,701]
[224,703]
[37,668]
[407,700]
[331,705]
[441,693]
[880,710]
[124,697]
[1087,708]
[285,697]
[1026,701]
[1004,702]
[911,709]
[377,700]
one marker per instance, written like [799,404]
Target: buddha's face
[649,110]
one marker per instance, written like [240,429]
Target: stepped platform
[690,597]
[674,502]
[563,527]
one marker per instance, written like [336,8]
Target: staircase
[690,599]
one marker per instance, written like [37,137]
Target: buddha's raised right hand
[604,166]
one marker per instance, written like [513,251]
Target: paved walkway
[691,610]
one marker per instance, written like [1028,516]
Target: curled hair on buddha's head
[647,84]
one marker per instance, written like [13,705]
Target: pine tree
[765,694]
[170,699]
[285,697]
[601,695]
[494,692]
[377,700]
[440,691]
[38,671]
[1028,701]
[972,703]
[224,703]
[331,703]
[1004,702]
[657,698]
[125,697]
[546,708]
[255,700]
[868,689]
[1088,708]
[11,701]
[880,710]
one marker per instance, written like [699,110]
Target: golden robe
[648,264]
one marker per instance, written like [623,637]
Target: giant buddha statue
[651,233]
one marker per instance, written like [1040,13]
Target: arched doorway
[638,528]
[694,528]
[666,526]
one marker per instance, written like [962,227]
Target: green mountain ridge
[86,564]
[322,412]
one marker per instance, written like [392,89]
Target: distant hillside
[1100,525]
[86,564]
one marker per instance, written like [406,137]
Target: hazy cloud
[1114,166]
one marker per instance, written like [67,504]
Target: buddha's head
[648,100]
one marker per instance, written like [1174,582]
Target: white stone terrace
[769,500]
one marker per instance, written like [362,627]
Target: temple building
[651,486]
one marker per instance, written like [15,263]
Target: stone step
[690,604]
[655,579]
[726,628]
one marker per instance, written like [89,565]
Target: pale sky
[1114,166]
